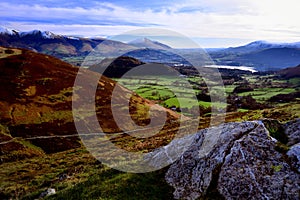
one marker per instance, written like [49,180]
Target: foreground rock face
[294,156]
[234,161]
[292,130]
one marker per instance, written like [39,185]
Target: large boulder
[233,161]
[255,170]
[294,156]
[292,130]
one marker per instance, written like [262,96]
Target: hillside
[116,67]
[291,72]
[36,99]
[40,149]
[272,59]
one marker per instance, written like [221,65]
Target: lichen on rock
[242,163]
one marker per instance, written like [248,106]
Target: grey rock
[255,170]
[63,176]
[48,192]
[192,174]
[239,160]
[169,153]
[294,155]
[292,130]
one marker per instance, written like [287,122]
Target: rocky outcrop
[255,170]
[294,156]
[292,130]
[234,161]
[48,192]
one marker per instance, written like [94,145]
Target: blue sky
[213,23]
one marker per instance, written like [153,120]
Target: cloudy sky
[211,23]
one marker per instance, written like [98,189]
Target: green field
[179,92]
[263,94]
[167,91]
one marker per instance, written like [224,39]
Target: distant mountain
[64,47]
[149,55]
[147,43]
[213,49]
[259,46]
[271,59]
[40,34]
[8,31]
[261,55]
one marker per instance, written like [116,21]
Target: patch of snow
[48,35]
[44,34]
[72,38]
[265,44]
[4,30]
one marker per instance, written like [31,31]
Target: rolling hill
[36,94]
[116,67]
[291,72]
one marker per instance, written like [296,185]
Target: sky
[210,23]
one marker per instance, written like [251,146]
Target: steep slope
[291,72]
[36,99]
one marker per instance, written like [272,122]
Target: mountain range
[260,45]
[260,55]
[57,45]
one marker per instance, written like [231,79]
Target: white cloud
[244,19]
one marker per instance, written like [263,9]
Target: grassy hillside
[36,97]
[40,147]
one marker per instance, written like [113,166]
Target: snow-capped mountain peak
[259,43]
[44,34]
[265,44]
[4,30]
